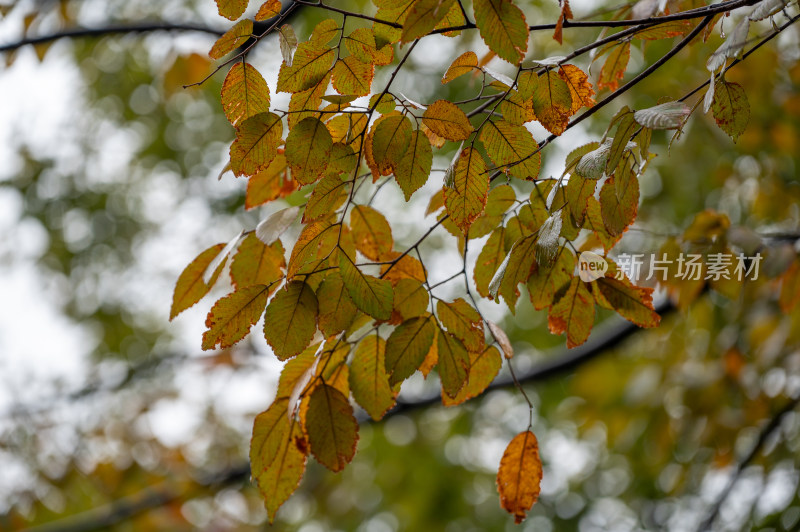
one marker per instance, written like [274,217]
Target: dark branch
[119,29]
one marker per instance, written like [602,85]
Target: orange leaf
[232,316]
[191,287]
[566,13]
[244,93]
[232,39]
[580,88]
[614,68]
[447,120]
[467,196]
[463,64]
[269,9]
[520,475]
[573,313]
[371,232]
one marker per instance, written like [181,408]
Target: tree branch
[115,29]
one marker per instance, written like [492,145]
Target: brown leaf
[520,475]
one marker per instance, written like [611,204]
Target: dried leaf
[520,475]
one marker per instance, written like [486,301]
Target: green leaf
[515,269]
[503,28]
[315,243]
[578,191]
[256,143]
[453,363]
[483,368]
[232,39]
[372,296]
[512,146]
[489,260]
[291,319]
[573,313]
[626,127]
[332,428]
[730,108]
[328,195]
[447,120]
[423,17]
[257,263]
[552,102]
[368,379]
[619,211]
[191,287]
[407,347]
[633,303]
[311,63]
[462,321]
[467,197]
[336,309]
[232,316]
[412,172]
[548,279]
[308,149]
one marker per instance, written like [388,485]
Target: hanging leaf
[548,279]
[423,16]
[368,378]
[407,347]
[256,143]
[412,172]
[328,195]
[244,93]
[633,303]
[361,44]
[288,43]
[270,183]
[462,321]
[303,104]
[232,9]
[463,64]
[732,46]
[191,287]
[324,32]
[615,66]
[411,300]
[552,102]
[336,309]
[371,232]
[580,88]
[332,428]
[372,296]
[232,39]
[257,263]
[489,259]
[512,145]
[619,212]
[592,165]
[669,115]
[502,340]
[520,475]
[515,269]
[566,14]
[483,368]
[405,267]
[308,149]
[453,363]
[594,222]
[291,319]
[311,63]
[503,28]
[352,76]
[390,138]
[232,316]
[730,108]
[573,313]
[447,120]
[269,9]
[467,196]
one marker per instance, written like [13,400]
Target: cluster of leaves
[350,312]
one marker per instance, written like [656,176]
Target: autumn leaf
[413,169]
[256,143]
[190,287]
[453,363]
[269,183]
[336,309]
[371,232]
[310,64]
[291,319]
[512,146]
[463,64]
[244,93]
[502,339]
[730,108]
[328,195]
[257,263]
[232,39]
[489,259]
[580,88]
[447,120]
[324,32]
[520,475]
[503,28]
[633,303]
[352,76]
[577,192]
[368,379]
[548,279]
[515,269]
[269,9]
[566,14]
[467,196]
[361,44]
[573,313]
[407,346]
[423,16]
[483,368]
[552,102]
[308,150]
[411,300]
[401,266]
[613,69]
[232,9]
[619,212]
[390,138]
[332,428]
[232,316]
[372,296]
[304,104]
[462,321]
[669,115]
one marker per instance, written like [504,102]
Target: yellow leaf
[447,120]
[336,309]
[291,320]
[423,17]
[484,367]
[390,137]
[244,93]
[232,39]
[453,363]
[463,64]
[257,263]
[467,196]
[256,143]
[269,9]
[573,313]
[407,347]
[368,378]
[371,232]
[352,76]
[316,241]
[232,9]
[308,149]
[580,88]
[191,287]
[614,68]
[520,475]
[552,102]
[412,172]
[462,321]
[310,64]
[512,146]
[270,183]
[503,28]
[232,316]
